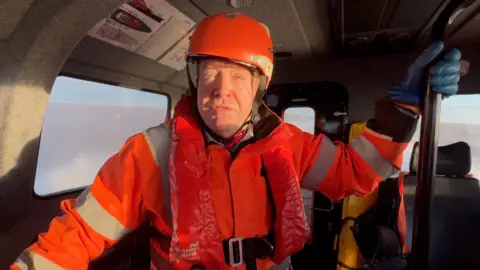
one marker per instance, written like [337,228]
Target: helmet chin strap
[252,118]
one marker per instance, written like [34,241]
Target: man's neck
[231,143]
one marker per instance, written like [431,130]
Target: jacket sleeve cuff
[394,121]
[412,108]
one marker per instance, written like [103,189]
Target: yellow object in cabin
[353,206]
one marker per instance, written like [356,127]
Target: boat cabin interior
[77,78]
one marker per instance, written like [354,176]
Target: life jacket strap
[238,250]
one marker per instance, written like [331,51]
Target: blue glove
[443,76]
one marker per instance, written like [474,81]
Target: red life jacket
[196,238]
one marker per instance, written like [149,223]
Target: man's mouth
[221,108]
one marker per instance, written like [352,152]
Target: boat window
[302,117]
[459,121]
[85,123]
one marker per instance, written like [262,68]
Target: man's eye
[239,76]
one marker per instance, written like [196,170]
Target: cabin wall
[367,79]
[100,55]
[36,51]
[3,53]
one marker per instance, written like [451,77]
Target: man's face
[225,95]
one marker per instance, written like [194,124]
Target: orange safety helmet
[236,37]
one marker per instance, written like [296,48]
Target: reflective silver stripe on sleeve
[369,153]
[31,260]
[307,196]
[323,162]
[159,140]
[406,112]
[379,135]
[98,218]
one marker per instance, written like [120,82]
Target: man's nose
[224,86]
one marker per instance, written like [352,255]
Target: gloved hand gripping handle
[428,148]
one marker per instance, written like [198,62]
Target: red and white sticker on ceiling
[151,28]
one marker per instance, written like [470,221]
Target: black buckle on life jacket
[235,251]
[238,251]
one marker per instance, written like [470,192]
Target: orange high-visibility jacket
[197,193]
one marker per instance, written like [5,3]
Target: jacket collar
[210,139]
[269,128]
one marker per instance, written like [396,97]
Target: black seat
[455,231]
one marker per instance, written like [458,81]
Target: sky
[87,122]
[461,109]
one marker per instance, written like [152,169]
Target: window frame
[97,80]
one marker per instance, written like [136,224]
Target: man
[221,181]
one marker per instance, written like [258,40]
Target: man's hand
[443,76]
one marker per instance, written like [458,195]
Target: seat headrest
[452,159]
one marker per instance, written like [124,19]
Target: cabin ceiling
[299,28]
[305,29]
[467,31]
[470,32]
[11,13]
